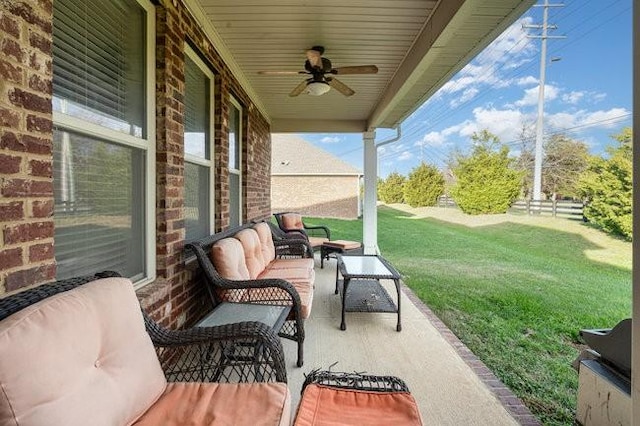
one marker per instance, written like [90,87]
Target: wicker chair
[202,354]
[265,291]
[291,223]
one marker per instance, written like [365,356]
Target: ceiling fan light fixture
[317,88]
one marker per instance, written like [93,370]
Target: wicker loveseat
[76,352]
[245,264]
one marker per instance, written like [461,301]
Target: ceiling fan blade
[340,87]
[298,89]
[315,58]
[281,72]
[359,69]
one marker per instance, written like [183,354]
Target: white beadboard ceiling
[416,44]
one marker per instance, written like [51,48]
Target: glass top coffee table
[361,288]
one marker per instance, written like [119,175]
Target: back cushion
[292,221]
[266,242]
[227,256]
[252,251]
[80,357]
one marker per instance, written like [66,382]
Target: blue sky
[588,92]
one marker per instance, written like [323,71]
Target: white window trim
[148,145]
[199,160]
[235,171]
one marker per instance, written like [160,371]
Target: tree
[424,185]
[565,160]
[607,187]
[391,189]
[486,180]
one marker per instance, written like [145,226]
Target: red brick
[40,252]
[39,84]
[26,232]
[41,209]
[30,101]
[9,164]
[46,5]
[11,211]
[26,188]
[40,42]
[10,258]
[9,26]
[10,140]
[38,124]
[29,277]
[9,118]
[26,12]
[40,168]
[12,48]
[11,73]
[36,145]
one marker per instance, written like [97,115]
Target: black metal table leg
[345,284]
[397,283]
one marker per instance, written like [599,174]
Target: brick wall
[320,196]
[26,203]
[26,207]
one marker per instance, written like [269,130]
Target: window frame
[147,144]
[193,55]
[233,102]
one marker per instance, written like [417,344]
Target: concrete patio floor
[450,385]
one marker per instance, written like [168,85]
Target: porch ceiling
[416,44]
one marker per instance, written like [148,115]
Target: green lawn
[515,294]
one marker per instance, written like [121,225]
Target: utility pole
[537,168]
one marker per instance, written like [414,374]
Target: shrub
[424,185]
[391,189]
[607,186]
[486,182]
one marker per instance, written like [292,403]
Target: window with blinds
[100,176]
[197,140]
[235,163]
[99,63]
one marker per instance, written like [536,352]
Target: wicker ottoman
[356,399]
[338,246]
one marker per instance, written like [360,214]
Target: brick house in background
[310,180]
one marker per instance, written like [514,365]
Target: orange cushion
[266,241]
[292,221]
[303,287]
[343,244]
[227,256]
[82,357]
[323,405]
[317,241]
[306,263]
[290,274]
[205,404]
[252,251]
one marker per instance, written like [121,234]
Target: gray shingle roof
[291,154]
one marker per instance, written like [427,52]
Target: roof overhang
[416,44]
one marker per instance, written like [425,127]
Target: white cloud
[526,81]
[511,49]
[466,96]
[405,156]
[432,139]
[587,119]
[573,97]
[531,95]
[330,139]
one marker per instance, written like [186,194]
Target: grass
[515,294]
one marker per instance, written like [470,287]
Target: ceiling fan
[322,74]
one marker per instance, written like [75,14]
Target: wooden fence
[567,209]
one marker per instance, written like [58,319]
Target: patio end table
[366,294]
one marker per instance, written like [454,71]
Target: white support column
[370,213]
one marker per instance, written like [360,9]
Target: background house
[309,180]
